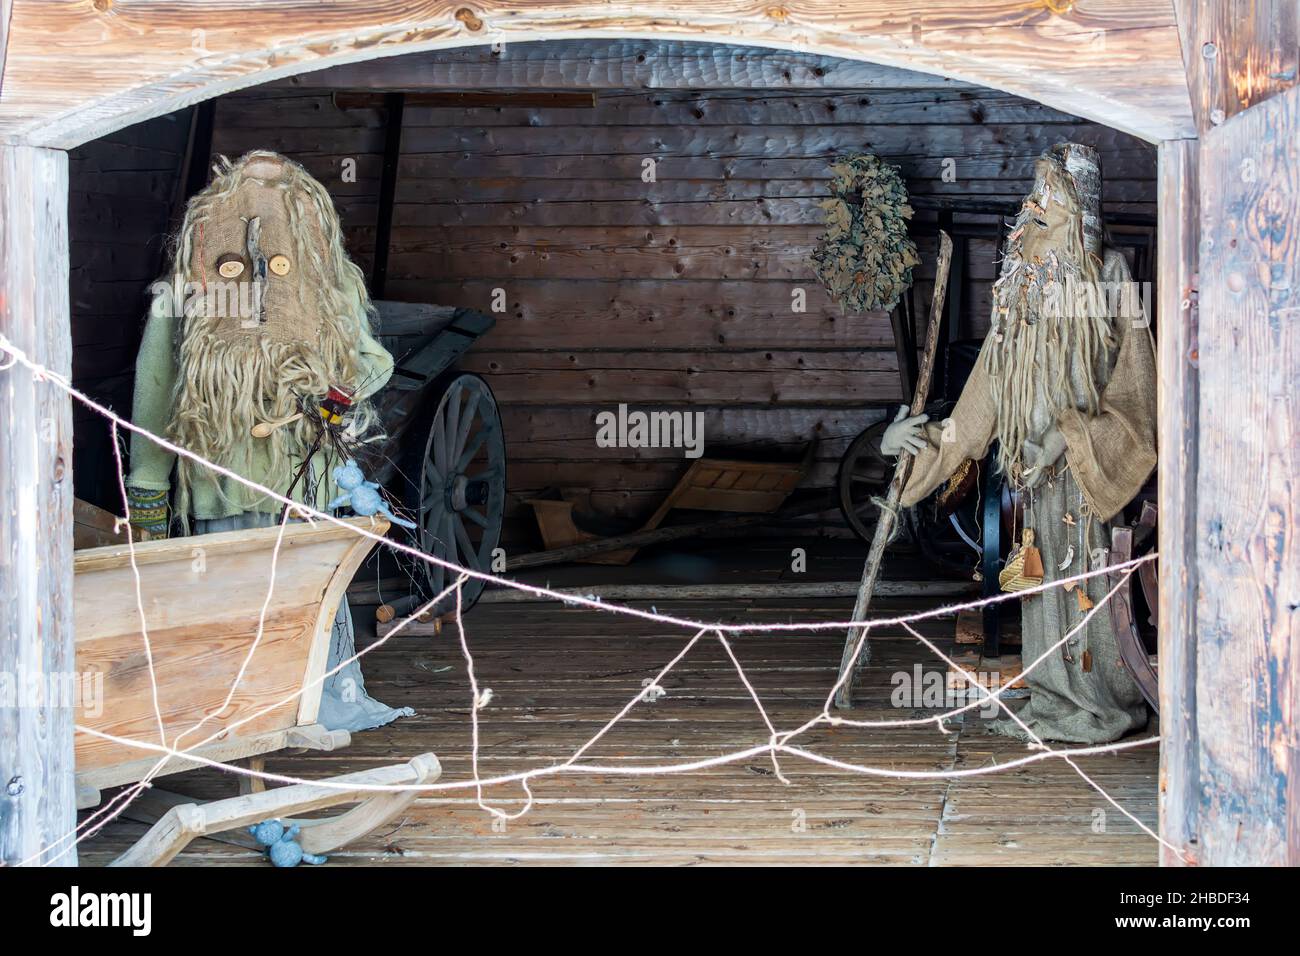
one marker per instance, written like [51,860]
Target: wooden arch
[79,70]
[74,70]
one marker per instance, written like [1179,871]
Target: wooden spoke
[466,546]
[467,456]
[439,448]
[452,424]
[486,546]
[432,483]
[458,445]
[437,574]
[432,489]
[452,554]
[864,474]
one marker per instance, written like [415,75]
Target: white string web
[778,743]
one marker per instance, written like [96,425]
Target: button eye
[230,266]
[279,265]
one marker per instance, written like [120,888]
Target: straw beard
[226,386]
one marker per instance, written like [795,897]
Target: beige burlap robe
[1108,457]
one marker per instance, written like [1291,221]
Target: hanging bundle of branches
[865,259]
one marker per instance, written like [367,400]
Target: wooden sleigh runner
[202,600]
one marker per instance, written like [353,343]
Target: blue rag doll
[282,845]
[360,495]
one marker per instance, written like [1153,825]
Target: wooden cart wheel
[460,500]
[865,473]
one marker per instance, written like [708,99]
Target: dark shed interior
[638,217]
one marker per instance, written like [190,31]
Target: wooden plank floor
[557,674]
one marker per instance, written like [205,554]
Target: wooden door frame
[1178,416]
[112,64]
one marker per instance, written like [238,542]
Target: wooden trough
[202,599]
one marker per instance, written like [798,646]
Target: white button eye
[279,265]
[230,266]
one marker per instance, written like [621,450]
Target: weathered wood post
[1247,493]
[37,802]
[1230,453]
[1179,405]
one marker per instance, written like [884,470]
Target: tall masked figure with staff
[1065,383]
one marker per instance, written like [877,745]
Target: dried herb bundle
[865,259]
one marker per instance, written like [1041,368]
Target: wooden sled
[203,597]
[179,821]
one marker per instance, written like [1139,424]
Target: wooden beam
[1238,52]
[198,154]
[37,791]
[105,66]
[1247,495]
[394,107]
[640,64]
[774,590]
[6,10]
[1178,409]
[459,99]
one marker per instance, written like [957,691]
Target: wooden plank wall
[675,293]
[122,195]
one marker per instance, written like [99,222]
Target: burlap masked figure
[261,314]
[265,313]
[1066,383]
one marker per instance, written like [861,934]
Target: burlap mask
[274,332]
[263,218]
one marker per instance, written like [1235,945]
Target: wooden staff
[889,513]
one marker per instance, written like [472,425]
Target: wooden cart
[204,596]
[202,601]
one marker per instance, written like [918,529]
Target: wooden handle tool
[264,429]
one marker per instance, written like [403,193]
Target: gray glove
[904,434]
[1040,456]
